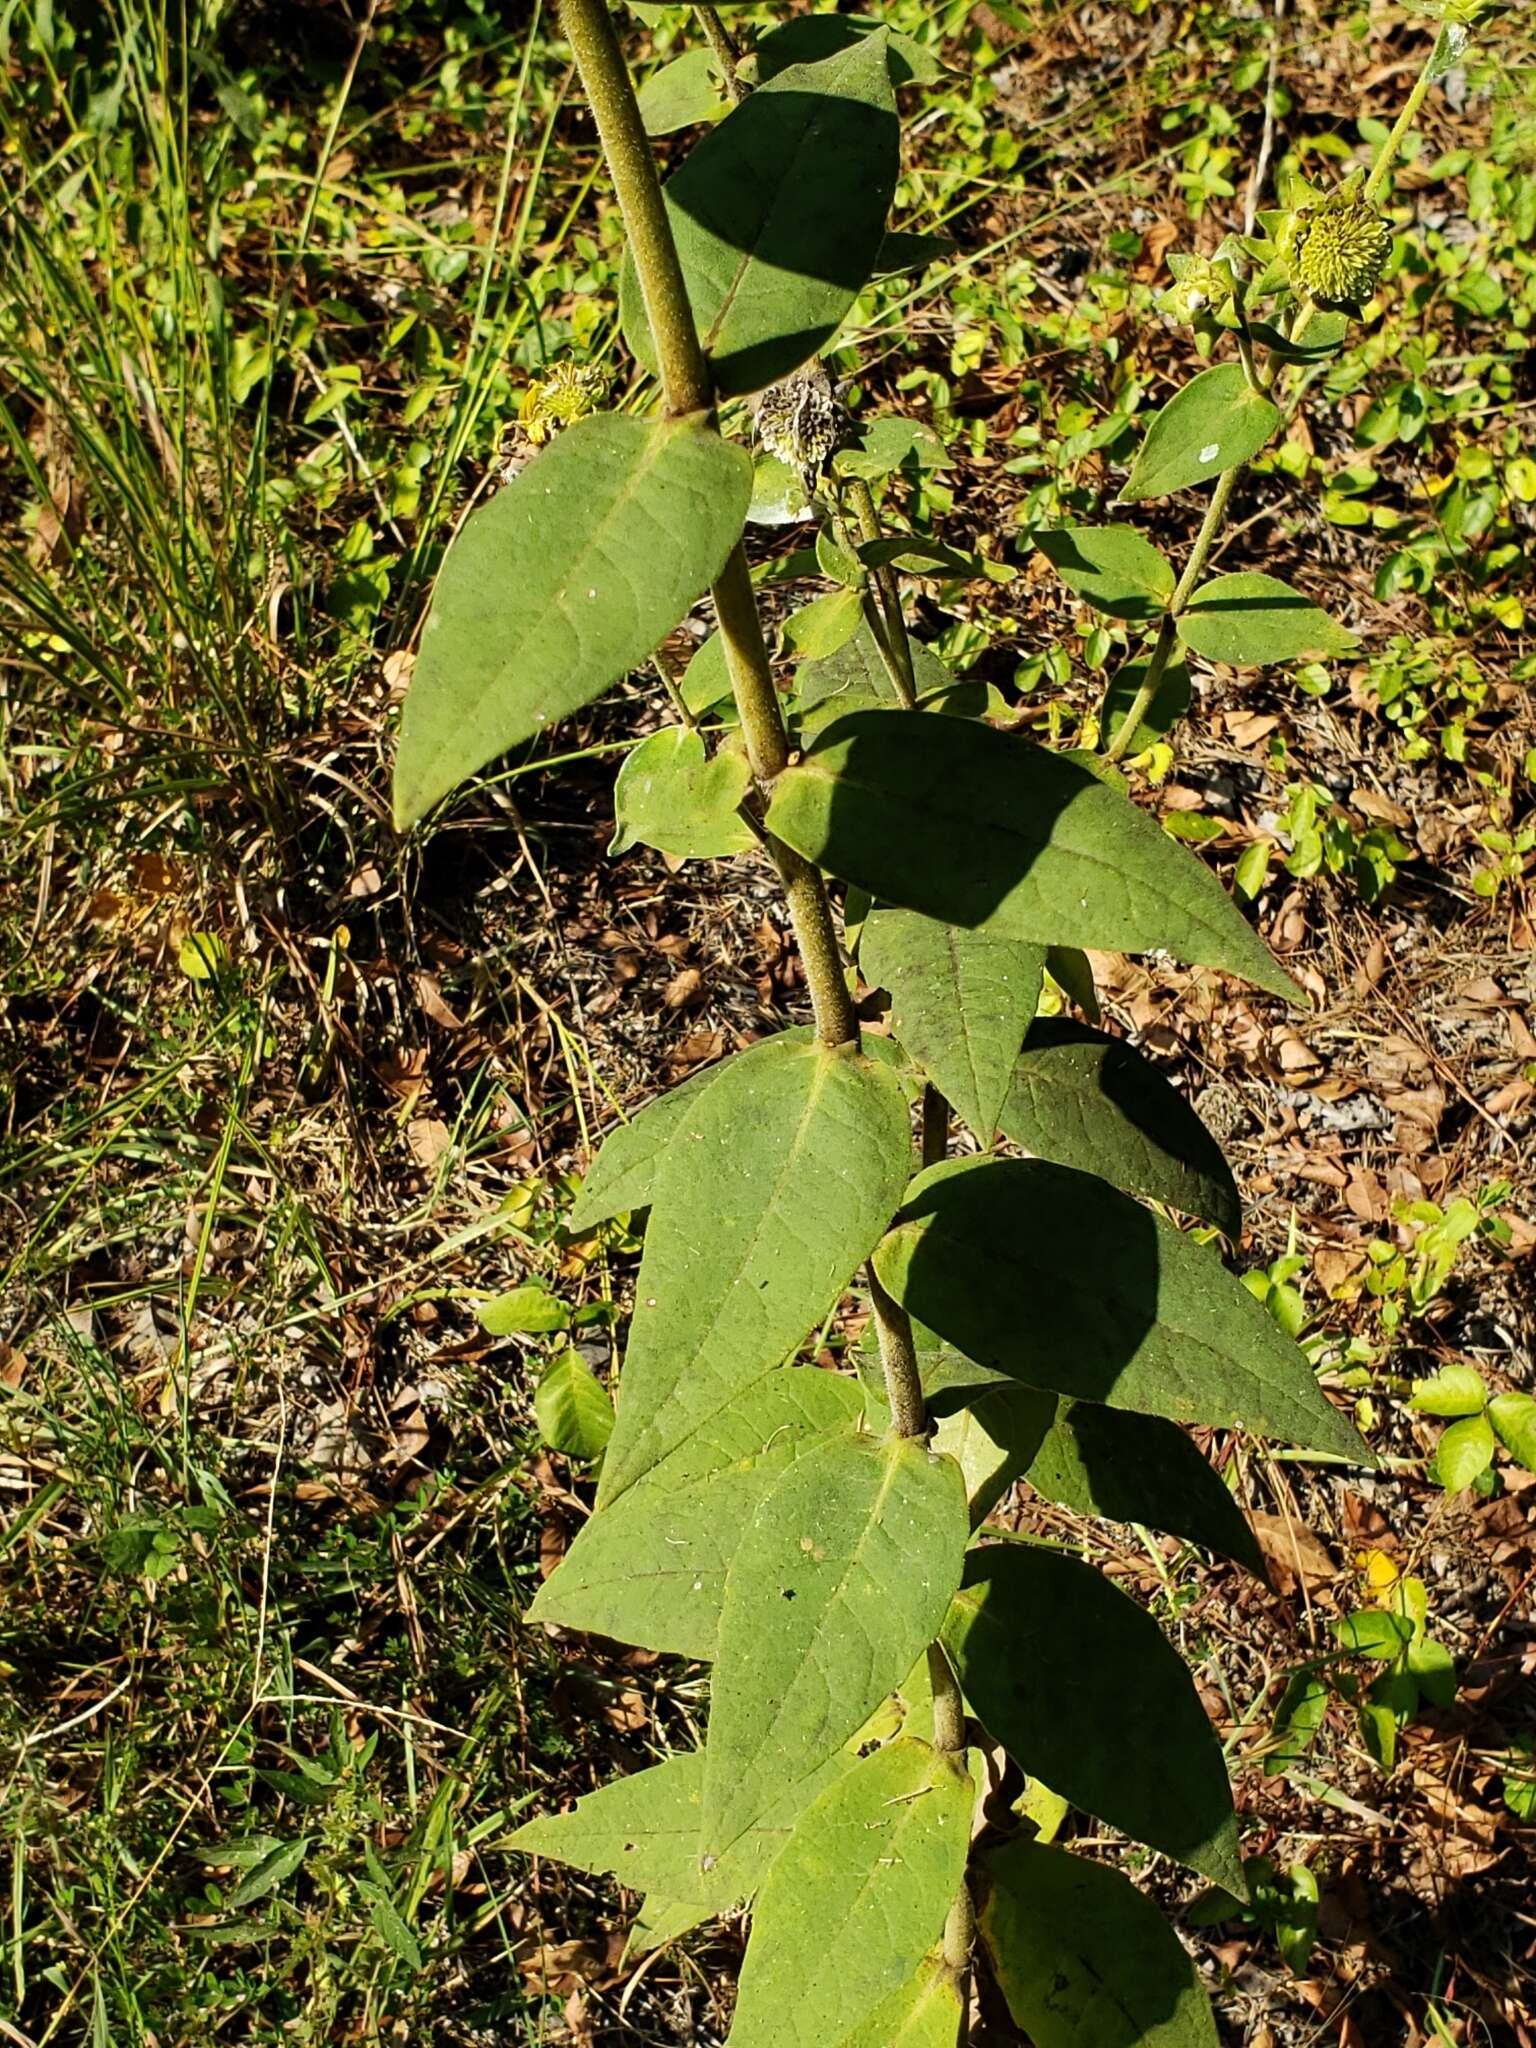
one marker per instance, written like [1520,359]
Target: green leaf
[274,1869]
[961,1002]
[1170,701]
[1301,1713]
[1138,1468]
[851,1908]
[1454,1390]
[1514,1420]
[1213,424]
[560,585]
[658,1922]
[644,1830]
[572,1409]
[529,1310]
[393,1931]
[813,37]
[1084,1959]
[994,1436]
[890,443]
[706,683]
[925,2012]
[1087,1100]
[1248,620]
[980,828]
[842,1576]
[777,1182]
[1112,566]
[1044,1273]
[650,1567]
[623,1176]
[855,679]
[824,625]
[779,214]
[1082,1689]
[1464,1453]
[1373,1632]
[672,795]
[900,253]
[1324,338]
[1433,1668]
[682,94]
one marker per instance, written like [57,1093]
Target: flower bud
[569,392]
[1201,285]
[1338,248]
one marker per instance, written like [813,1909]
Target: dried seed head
[1338,249]
[569,392]
[801,422]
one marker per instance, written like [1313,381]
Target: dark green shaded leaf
[1127,1467]
[1170,701]
[779,214]
[981,828]
[961,1002]
[842,1577]
[1087,1100]
[1325,336]
[1084,1959]
[851,1908]
[1049,1275]
[1112,567]
[560,585]
[1082,1689]
[812,38]
[1213,424]
[1248,620]
[900,253]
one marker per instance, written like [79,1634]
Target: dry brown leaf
[1293,1552]
[429,1138]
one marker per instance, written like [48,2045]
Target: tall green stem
[687,388]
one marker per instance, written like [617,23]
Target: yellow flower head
[1338,248]
[569,392]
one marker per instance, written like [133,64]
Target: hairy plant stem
[727,56]
[898,1361]
[950,1736]
[687,388]
[898,647]
[1221,497]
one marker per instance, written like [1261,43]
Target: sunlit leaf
[561,584]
